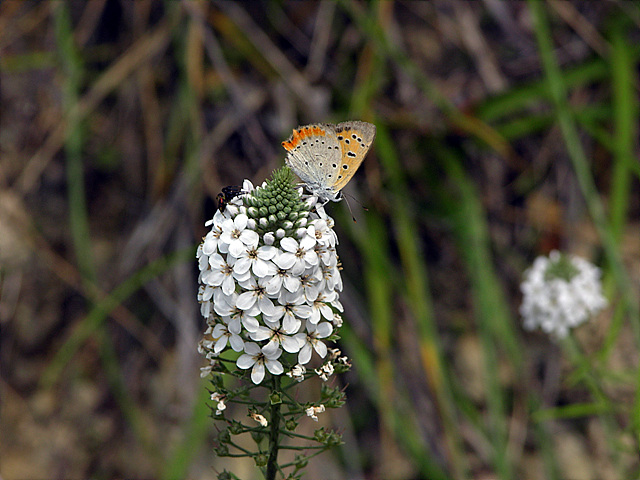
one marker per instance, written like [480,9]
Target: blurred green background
[505,130]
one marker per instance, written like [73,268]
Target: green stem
[274,433]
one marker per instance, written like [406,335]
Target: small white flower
[331,279]
[227,307]
[277,338]
[223,333]
[235,233]
[218,397]
[322,233]
[259,418]
[310,286]
[210,243]
[302,252]
[255,357]
[314,411]
[291,309]
[560,293]
[256,259]
[205,371]
[325,371]
[284,275]
[311,341]
[297,372]
[256,294]
[320,307]
[220,274]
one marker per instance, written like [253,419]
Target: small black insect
[228,194]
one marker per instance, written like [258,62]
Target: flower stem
[274,440]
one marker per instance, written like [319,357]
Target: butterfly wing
[355,139]
[313,153]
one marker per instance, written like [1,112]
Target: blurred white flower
[559,293]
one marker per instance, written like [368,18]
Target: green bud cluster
[330,439]
[277,205]
[562,268]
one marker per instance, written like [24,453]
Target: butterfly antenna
[355,200]
[345,195]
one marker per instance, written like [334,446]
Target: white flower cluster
[262,295]
[558,303]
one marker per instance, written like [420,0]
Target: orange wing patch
[299,135]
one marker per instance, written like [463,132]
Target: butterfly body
[326,156]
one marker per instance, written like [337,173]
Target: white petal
[303,311]
[263,268]
[246,300]
[257,374]
[267,252]
[245,360]
[271,348]
[220,344]
[249,238]
[320,348]
[261,334]
[233,325]
[266,306]
[285,260]
[242,265]
[248,283]
[240,221]
[275,367]
[326,311]
[290,344]
[250,323]
[323,329]
[307,242]
[210,244]
[290,324]
[207,293]
[311,258]
[305,354]
[274,285]
[289,244]
[236,343]
[252,348]
[216,261]
[236,248]
[228,285]
[291,283]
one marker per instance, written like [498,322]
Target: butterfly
[228,194]
[326,156]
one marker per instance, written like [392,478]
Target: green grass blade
[99,313]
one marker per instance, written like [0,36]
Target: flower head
[269,275]
[559,293]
